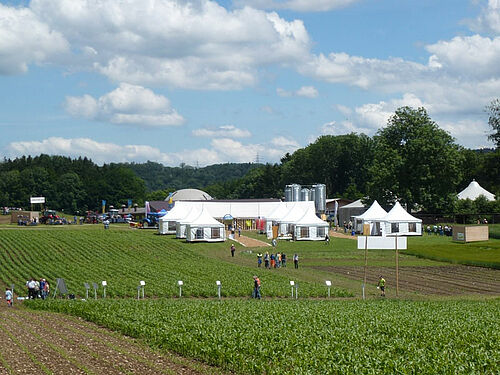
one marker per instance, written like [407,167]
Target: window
[412,227]
[394,227]
[304,232]
[199,233]
[171,225]
[321,231]
[215,232]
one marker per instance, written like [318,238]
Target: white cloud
[298,5]
[128,104]
[227,131]
[195,44]
[24,39]
[489,19]
[221,150]
[304,91]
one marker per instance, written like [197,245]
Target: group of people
[439,229]
[38,288]
[275,260]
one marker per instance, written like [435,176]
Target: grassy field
[311,337]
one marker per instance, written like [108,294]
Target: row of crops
[311,337]
[125,257]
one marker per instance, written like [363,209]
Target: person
[296,260]
[106,224]
[42,287]
[8,297]
[256,287]
[232,250]
[283,260]
[266,260]
[278,260]
[381,285]
[46,288]
[327,239]
[239,231]
[273,261]
[31,284]
[259,259]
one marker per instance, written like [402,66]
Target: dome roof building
[190,195]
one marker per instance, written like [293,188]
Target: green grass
[311,337]
[441,248]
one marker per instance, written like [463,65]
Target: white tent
[371,216]
[205,228]
[474,191]
[310,227]
[167,224]
[398,222]
[282,212]
[180,227]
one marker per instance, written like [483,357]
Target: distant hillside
[158,177]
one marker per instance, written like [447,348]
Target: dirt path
[334,233]
[47,343]
[438,280]
[250,242]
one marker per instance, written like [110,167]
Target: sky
[202,82]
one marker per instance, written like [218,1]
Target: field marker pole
[366,265]
[12,290]
[397,268]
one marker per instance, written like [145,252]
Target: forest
[411,160]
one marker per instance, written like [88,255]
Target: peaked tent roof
[373,213]
[310,219]
[178,212]
[474,190]
[297,211]
[399,214]
[204,219]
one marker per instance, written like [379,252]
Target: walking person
[239,231]
[381,285]
[256,287]
[232,250]
[31,284]
[259,259]
[296,260]
[266,260]
[283,260]
[8,297]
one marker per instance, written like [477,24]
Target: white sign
[381,243]
[35,200]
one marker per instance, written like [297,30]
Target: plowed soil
[47,343]
[439,280]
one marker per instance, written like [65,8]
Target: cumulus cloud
[221,150]
[227,131]
[304,91]
[297,5]
[128,104]
[24,39]
[489,19]
[195,44]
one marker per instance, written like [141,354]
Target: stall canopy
[350,210]
[180,228]
[167,223]
[474,191]
[398,222]
[205,228]
[310,227]
[371,216]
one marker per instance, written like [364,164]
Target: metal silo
[312,193]
[288,193]
[296,192]
[305,194]
[320,197]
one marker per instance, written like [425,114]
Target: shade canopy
[474,191]
[398,214]
[375,212]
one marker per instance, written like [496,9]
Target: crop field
[311,337]
[123,257]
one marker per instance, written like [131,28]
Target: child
[8,297]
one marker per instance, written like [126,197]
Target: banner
[103,204]
[129,203]
[35,200]
[335,214]
[148,209]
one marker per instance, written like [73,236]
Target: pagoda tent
[287,222]
[310,227]
[167,224]
[180,226]
[371,216]
[474,191]
[205,228]
[273,218]
[398,222]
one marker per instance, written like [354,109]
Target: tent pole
[366,264]
[397,268]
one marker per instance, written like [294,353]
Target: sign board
[35,200]
[381,243]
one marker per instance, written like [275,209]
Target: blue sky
[203,82]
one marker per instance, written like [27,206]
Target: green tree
[493,110]
[415,162]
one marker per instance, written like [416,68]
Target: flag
[335,214]
[103,203]
[129,203]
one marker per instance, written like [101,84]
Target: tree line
[411,160]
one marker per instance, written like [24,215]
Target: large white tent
[180,228]
[474,191]
[310,227]
[167,224]
[205,228]
[371,216]
[398,222]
